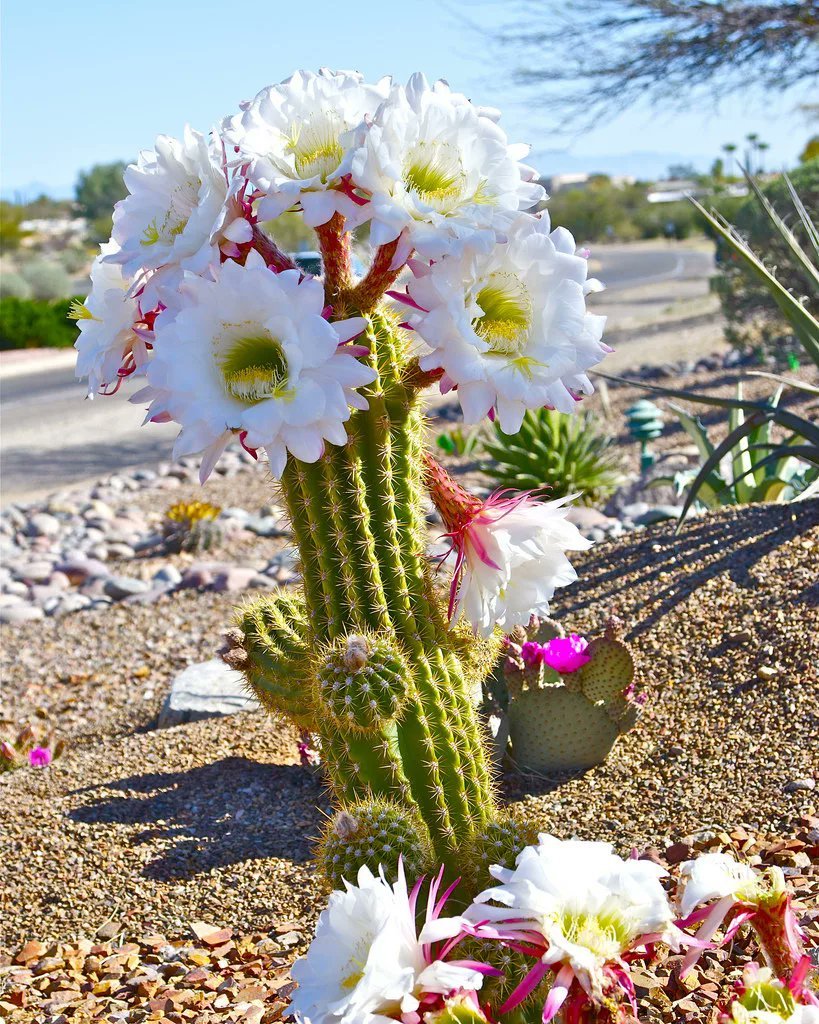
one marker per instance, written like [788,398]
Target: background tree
[811,150]
[595,57]
[730,148]
[96,192]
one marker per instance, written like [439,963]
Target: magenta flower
[39,757]
[566,654]
[532,653]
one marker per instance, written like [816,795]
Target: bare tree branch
[589,58]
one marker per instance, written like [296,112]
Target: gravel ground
[135,831]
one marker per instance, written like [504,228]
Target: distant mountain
[33,190]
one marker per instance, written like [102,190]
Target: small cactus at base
[362,681]
[500,843]
[28,748]
[192,526]
[269,645]
[569,700]
[375,834]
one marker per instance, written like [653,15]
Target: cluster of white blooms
[236,342]
[496,299]
[580,912]
[368,964]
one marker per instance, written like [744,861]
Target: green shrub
[11,233]
[558,451]
[12,284]
[47,280]
[75,258]
[29,323]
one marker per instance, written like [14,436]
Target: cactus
[191,526]
[374,831]
[571,721]
[368,660]
[269,645]
[29,747]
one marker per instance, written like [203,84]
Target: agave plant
[553,450]
[745,474]
[762,468]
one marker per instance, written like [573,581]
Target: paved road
[51,437]
[629,266]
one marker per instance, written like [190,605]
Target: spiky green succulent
[565,454]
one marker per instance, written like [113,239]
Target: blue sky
[89,81]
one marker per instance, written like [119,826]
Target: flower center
[314,144]
[605,934]
[506,314]
[255,368]
[434,171]
[769,998]
[183,201]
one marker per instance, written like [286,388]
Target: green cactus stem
[368,660]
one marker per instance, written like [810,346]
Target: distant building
[581,179]
[66,229]
[673,190]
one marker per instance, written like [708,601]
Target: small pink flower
[566,654]
[39,757]
[532,653]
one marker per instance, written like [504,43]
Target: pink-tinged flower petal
[532,653]
[406,299]
[481,968]
[557,994]
[737,922]
[717,915]
[39,757]
[526,987]
[566,654]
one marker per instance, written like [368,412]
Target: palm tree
[753,140]
[762,147]
[730,148]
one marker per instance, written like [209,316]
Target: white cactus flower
[509,327]
[249,351]
[368,965]
[174,207]
[715,876]
[107,342]
[510,552]
[586,906]
[290,136]
[439,170]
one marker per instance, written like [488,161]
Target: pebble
[20,613]
[43,525]
[800,785]
[236,578]
[167,574]
[119,587]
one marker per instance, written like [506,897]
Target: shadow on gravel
[677,565]
[210,817]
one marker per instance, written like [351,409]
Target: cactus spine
[369,661]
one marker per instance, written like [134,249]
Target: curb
[19,362]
